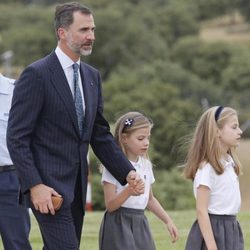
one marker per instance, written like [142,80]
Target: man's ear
[61,32]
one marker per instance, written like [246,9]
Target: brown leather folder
[57,202]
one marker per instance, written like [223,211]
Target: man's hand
[41,198]
[134,180]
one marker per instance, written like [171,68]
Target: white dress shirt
[66,64]
[6,92]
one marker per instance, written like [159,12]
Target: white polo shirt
[6,92]
[225,198]
[144,169]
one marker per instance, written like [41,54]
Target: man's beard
[84,52]
[77,49]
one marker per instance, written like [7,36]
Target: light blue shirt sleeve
[6,92]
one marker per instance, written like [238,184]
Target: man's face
[79,36]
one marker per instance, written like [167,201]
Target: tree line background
[152,60]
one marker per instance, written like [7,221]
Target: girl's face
[230,134]
[137,143]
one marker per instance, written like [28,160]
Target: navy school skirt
[125,229]
[226,230]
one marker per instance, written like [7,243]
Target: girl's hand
[172,229]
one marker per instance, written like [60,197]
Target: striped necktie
[78,97]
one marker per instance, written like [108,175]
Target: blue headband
[217,113]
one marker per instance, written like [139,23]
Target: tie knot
[75,67]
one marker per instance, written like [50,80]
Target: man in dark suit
[56,113]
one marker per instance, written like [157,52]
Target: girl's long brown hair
[205,144]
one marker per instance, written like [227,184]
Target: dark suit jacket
[43,136]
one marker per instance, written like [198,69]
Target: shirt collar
[65,60]
[229,162]
[138,163]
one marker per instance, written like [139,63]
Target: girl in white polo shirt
[124,225]
[214,168]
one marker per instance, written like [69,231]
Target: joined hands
[136,183]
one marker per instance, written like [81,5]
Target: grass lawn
[183,220]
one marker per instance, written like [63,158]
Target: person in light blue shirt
[14,219]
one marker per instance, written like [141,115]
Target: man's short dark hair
[64,14]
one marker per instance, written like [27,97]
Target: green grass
[183,220]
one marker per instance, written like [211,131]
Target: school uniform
[127,227]
[14,219]
[224,205]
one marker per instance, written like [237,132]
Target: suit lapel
[61,85]
[87,85]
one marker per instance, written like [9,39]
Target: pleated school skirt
[125,229]
[226,230]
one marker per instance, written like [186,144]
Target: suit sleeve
[105,147]
[26,105]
